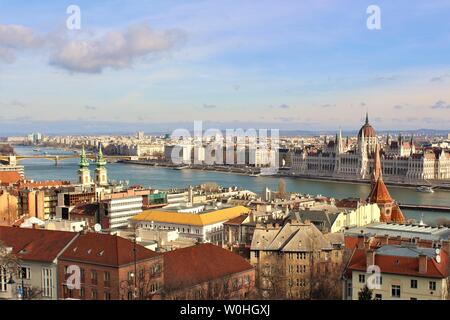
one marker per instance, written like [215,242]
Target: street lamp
[11,280]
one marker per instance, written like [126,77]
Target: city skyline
[310,65]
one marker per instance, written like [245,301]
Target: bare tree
[210,187]
[282,189]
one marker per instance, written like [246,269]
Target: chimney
[370,257]
[384,240]
[360,241]
[422,263]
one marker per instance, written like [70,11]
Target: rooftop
[402,260]
[292,237]
[35,244]
[199,264]
[402,230]
[198,219]
[105,249]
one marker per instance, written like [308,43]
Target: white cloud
[117,50]
[14,38]
[440,105]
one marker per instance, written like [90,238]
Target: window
[156,269]
[154,287]
[82,293]
[378,297]
[94,294]
[413,284]
[107,295]
[3,279]
[412,298]
[47,282]
[362,278]
[349,289]
[94,277]
[106,278]
[25,273]
[82,274]
[432,285]
[395,291]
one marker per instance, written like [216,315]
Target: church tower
[379,194]
[84,175]
[101,174]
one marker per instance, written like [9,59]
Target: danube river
[165,178]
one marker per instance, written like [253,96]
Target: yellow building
[204,223]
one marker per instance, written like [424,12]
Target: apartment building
[206,271]
[109,270]
[116,209]
[8,207]
[294,261]
[37,253]
[398,272]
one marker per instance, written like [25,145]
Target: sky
[160,64]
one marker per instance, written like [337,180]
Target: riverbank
[257,171]
[234,170]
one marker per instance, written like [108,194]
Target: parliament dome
[367,129]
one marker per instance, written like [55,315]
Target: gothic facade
[400,159]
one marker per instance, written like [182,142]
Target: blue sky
[304,64]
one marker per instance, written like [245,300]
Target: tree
[282,189]
[365,293]
[8,260]
[210,187]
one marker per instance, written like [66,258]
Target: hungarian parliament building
[400,160]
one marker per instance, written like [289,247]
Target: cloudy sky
[300,64]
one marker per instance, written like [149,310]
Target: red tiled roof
[380,193]
[238,220]
[199,264]
[105,249]
[397,215]
[400,265]
[348,203]
[42,184]
[35,244]
[8,177]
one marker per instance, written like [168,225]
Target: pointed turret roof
[379,192]
[100,161]
[84,163]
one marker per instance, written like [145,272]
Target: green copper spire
[100,162]
[84,163]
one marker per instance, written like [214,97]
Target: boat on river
[425,189]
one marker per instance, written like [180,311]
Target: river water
[164,178]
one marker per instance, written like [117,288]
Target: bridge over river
[58,158]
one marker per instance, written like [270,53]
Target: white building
[205,224]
